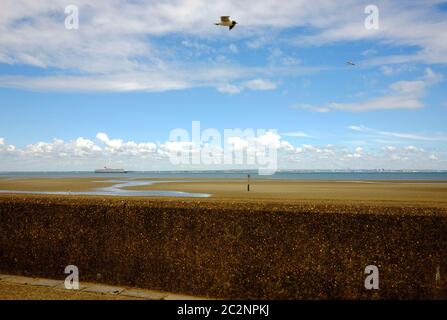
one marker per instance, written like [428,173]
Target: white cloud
[199,48]
[228,88]
[85,154]
[5,148]
[270,139]
[286,146]
[380,103]
[274,141]
[297,134]
[258,42]
[260,84]
[396,69]
[401,24]
[369,52]
[399,135]
[406,87]
[58,148]
[238,143]
[310,148]
[358,153]
[390,149]
[116,47]
[278,57]
[120,83]
[413,149]
[84,146]
[358,128]
[387,70]
[233,48]
[255,85]
[126,148]
[402,95]
[407,153]
[174,147]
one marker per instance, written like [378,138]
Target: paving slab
[144,294]
[10,291]
[61,286]
[58,287]
[103,289]
[47,283]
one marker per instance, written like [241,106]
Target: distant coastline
[239,174]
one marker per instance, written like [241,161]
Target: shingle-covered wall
[227,250]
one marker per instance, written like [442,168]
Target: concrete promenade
[25,288]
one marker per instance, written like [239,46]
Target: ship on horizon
[110,170]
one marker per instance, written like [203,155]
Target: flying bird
[225,21]
[350,63]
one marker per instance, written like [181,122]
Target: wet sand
[425,193]
[54,184]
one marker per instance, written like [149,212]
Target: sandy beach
[430,193]
[54,184]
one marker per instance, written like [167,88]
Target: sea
[282,175]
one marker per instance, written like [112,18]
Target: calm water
[344,176]
[118,190]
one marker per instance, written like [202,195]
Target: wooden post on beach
[248,184]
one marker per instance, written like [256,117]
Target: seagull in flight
[350,63]
[225,21]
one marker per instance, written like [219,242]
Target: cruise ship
[110,170]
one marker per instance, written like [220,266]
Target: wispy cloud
[118,47]
[118,44]
[254,85]
[229,88]
[311,107]
[260,84]
[401,24]
[402,95]
[297,134]
[400,135]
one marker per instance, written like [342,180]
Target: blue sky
[136,70]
